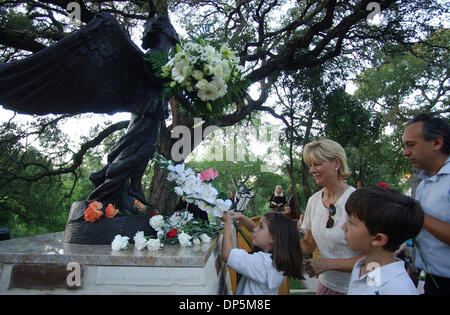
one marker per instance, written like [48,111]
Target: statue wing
[95,69]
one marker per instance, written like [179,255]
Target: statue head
[159,34]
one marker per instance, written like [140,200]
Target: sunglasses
[332,212]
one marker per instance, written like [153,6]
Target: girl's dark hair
[287,254]
[386,211]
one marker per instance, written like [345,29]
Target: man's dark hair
[432,128]
[386,211]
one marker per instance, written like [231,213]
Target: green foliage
[407,81]
[197,227]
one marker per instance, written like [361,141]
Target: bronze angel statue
[99,69]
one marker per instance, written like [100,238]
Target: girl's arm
[246,222]
[227,241]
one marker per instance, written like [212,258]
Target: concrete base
[56,267]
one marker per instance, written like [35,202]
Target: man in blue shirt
[426,144]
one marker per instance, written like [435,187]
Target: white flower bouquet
[196,188]
[202,77]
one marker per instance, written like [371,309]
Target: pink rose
[208,175]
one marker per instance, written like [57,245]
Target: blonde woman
[325,214]
[277,200]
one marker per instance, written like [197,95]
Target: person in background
[293,211]
[379,221]
[277,200]
[426,144]
[290,212]
[324,216]
[234,200]
[359,183]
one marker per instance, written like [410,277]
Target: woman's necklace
[327,201]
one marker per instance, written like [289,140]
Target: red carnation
[172,233]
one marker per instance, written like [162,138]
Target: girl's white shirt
[259,275]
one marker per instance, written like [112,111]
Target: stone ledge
[51,249]
[40,265]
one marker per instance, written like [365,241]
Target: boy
[379,221]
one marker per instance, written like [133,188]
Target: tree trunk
[305,181]
[162,196]
[290,171]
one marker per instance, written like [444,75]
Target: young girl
[280,255]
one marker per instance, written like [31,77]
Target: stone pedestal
[45,264]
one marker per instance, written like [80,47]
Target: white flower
[178,191]
[226,69]
[177,72]
[160,234]
[218,70]
[221,206]
[191,185]
[119,242]
[196,241]
[198,75]
[187,70]
[221,86]
[189,172]
[205,238]
[208,193]
[157,222]
[202,84]
[179,169]
[208,69]
[172,176]
[204,206]
[209,93]
[184,239]
[139,240]
[171,168]
[154,244]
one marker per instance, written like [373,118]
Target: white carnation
[139,240]
[119,242]
[157,222]
[184,239]
[205,238]
[154,244]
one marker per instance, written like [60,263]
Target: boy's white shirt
[390,279]
[259,275]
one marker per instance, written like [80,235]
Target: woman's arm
[308,244]
[316,266]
